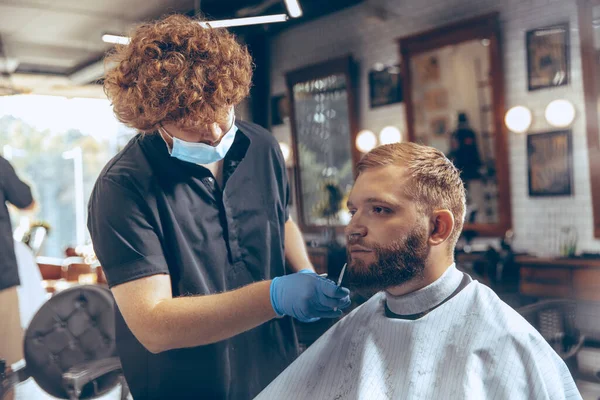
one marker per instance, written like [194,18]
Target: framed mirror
[454,101]
[589,33]
[324,128]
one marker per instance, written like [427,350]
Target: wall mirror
[454,100]
[324,123]
[589,33]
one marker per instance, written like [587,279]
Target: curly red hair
[176,70]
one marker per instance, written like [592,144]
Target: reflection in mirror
[323,137]
[453,112]
[596,25]
[589,34]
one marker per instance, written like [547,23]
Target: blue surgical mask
[201,153]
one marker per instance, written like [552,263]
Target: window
[59,146]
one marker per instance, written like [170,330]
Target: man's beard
[400,262]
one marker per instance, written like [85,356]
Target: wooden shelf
[559,262]
[560,277]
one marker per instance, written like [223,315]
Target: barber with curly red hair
[190,223]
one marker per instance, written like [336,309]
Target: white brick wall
[371,41]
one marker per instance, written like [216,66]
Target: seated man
[433,332]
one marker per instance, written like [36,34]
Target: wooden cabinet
[578,279]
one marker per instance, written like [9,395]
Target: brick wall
[371,41]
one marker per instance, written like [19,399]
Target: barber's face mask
[201,153]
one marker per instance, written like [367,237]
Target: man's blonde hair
[435,182]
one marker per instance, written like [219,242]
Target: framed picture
[385,86]
[427,68]
[280,109]
[436,99]
[439,126]
[550,163]
[548,57]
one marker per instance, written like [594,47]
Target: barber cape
[454,339]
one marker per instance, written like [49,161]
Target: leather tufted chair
[70,346]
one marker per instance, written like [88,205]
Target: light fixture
[293,8]
[116,39]
[365,141]
[227,23]
[390,134]
[518,119]
[560,113]
[223,23]
[285,149]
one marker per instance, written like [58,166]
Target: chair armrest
[575,348]
[77,377]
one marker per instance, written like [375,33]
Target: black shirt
[150,213]
[14,191]
[465,153]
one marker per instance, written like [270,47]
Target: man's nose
[215,132]
[355,230]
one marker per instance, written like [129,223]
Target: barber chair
[69,347]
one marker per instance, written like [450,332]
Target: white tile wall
[370,41]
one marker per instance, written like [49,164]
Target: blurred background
[508,89]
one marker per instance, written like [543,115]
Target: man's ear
[442,225]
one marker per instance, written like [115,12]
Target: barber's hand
[308,297]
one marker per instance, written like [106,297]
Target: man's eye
[352,212]
[381,210]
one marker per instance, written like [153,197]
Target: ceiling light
[293,8]
[365,141]
[8,65]
[560,113]
[390,134]
[518,119]
[116,39]
[227,23]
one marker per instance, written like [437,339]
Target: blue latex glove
[308,297]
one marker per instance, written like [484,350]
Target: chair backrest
[555,320]
[72,267]
[50,271]
[75,326]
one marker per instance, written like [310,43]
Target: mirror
[454,102]
[589,34]
[323,131]
[452,97]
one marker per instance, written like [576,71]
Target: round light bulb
[390,134]
[560,113]
[365,141]
[285,149]
[518,119]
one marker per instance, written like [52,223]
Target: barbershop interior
[299,199]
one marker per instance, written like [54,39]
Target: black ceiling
[312,9]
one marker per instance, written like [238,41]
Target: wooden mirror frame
[347,67]
[589,60]
[484,27]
